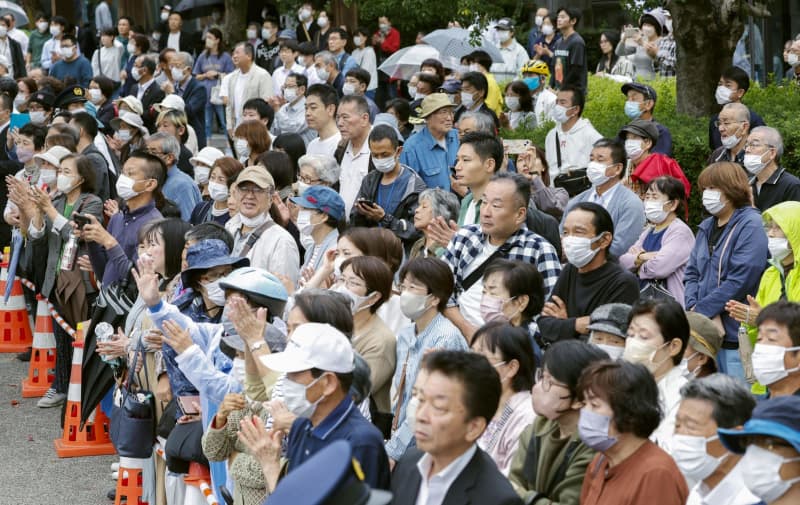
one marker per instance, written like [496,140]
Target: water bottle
[102,334]
[69,253]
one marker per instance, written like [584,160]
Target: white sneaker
[51,399]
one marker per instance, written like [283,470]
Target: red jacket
[656,165]
[391,42]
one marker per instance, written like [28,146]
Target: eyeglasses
[756,145]
[353,283]
[307,180]
[547,382]
[252,190]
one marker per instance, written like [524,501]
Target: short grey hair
[443,203]
[732,403]
[483,122]
[772,137]
[325,166]
[327,57]
[187,58]
[740,111]
[169,144]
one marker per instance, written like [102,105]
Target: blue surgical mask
[532,83]
[593,430]
[632,110]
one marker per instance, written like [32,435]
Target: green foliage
[604,108]
[635,8]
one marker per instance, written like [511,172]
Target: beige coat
[259,85]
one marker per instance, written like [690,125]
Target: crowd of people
[362,258]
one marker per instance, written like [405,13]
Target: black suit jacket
[152,95]
[187,41]
[480,483]
[195,98]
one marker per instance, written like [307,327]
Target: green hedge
[604,108]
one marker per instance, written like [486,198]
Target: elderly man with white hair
[179,188]
[771,183]
[733,124]
[317,169]
[192,91]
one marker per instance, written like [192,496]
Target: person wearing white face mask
[705,340]
[728,257]
[776,359]
[520,107]
[644,163]
[356,82]
[604,170]
[36,41]
[708,404]
[107,59]
[389,194]
[661,252]
[202,164]
[536,29]
[770,442]
[642,44]
[72,63]
[551,460]
[474,92]
[12,51]
[291,116]
[589,279]
[770,182]
[514,55]
[319,218]
[319,364]
[49,163]
[509,351]
[658,333]
[731,88]
[223,173]
[255,235]
[608,328]
[733,128]
[779,280]
[365,58]
[425,285]
[572,136]
[287,56]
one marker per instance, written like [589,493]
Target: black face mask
[227,350]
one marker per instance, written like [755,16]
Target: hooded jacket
[576,146]
[730,271]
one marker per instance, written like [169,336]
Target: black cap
[43,97]
[642,128]
[648,91]
[72,94]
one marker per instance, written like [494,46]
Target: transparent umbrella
[455,43]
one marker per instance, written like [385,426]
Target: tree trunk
[706,33]
[235,21]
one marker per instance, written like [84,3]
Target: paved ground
[30,471]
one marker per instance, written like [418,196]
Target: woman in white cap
[129,135]
[202,163]
[49,163]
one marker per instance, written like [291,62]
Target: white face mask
[218,192]
[768,364]
[730,141]
[793,59]
[304,15]
[578,250]
[37,117]
[633,148]
[761,473]
[294,396]
[654,211]
[289,94]
[164,16]
[413,305]
[136,73]
[337,266]
[323,73]
[473,67]
[48,176]
[251,34]
[304,225]
[177,74]
[596,172]
[467,100]
[131,48]
[66,52]
[356,301]
[503,36]
[689,452]
[242,148]
[95,95]
[3,31]
[547,30]
[201,174]
[559,114]
[639,351]
[65,183]
[322,22]
[648,31]
[712,201]
[124,135]
[613,351]
[302,187]
[754,163]
[412,91]
[348,89]
[778,248]
[253,222]
[357,40]
[266,33]
[41,26]
[125,187]
[513,103]
[55,30]
[215,293]
[538,20]
[384,165]
[723,95]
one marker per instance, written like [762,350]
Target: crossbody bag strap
[472,278]
[254,236]
[558,152]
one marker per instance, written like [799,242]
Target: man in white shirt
[291,116]
[575,135]
[246,82]
[288,56]
[307,52]
[15,33]
[352,118]
[514,55]
[456,402]
[107,58]
[321,104]
[51,51]
[707,404]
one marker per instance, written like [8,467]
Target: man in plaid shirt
[501,233]
[665,57]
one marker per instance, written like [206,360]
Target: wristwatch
[256,346]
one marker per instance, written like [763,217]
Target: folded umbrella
[455,43]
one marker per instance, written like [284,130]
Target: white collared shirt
[730,491]
[174,41]
[605,198]
[433,489]
[354,167]
[143,88]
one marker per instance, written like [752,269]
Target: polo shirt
[345,422]
[780,187]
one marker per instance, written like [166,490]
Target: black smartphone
[364,201]
[81,220]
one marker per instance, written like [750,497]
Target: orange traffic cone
[15,327]
[129,481]
[197,484]
[43,354]
[93,439]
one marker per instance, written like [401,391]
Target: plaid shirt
[527,246]
[665,58]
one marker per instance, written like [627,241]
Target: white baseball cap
[130,119]
[313,345]
[53,155]
[171,102]
[133,103]
[207,156]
